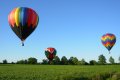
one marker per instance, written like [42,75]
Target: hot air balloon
[50,53]
[108,40]
[23,22]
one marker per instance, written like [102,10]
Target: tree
[45,61]
[64,60]
[119,59]
[25,61]
[32,60]
[102,59]
[82,62]
[56,60]
[111,60]
[93,62]
[21,62]
[5,61]
[12,62]
[73,60]
[70,61]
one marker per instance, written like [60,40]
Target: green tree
[64,60]
[5,61]
[111,60]
[45,61]
[70,61]
[82,62]
[25,61]
[32,60]
[56,60]
[21,62]
[119,59]
[93,62]
[12,62]
[102,59]
[73,61]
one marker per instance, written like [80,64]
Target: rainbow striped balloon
[108,40]
[23,21]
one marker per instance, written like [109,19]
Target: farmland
[59,72]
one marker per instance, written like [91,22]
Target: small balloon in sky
[108,40]
[23,22]
[50,53]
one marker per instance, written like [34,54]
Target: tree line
[65,61]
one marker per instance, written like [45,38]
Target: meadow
[59,72]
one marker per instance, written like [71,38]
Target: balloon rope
[109,52]
[22,43]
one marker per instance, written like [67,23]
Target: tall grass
[59,72]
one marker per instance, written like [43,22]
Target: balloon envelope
[108,40]
[23,21]
[50,53]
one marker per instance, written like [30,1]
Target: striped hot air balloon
[108,40]
[50,53]
[23,21]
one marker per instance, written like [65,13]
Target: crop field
[59,72]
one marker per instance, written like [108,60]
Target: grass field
[59,72]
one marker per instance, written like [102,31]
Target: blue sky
[73,27]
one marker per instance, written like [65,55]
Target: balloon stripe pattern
[19,16]
[108,40]
[23,21]
[50,53]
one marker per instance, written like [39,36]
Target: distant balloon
[23,21]
[50,53]
[108,40]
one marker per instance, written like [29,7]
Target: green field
[59,72]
